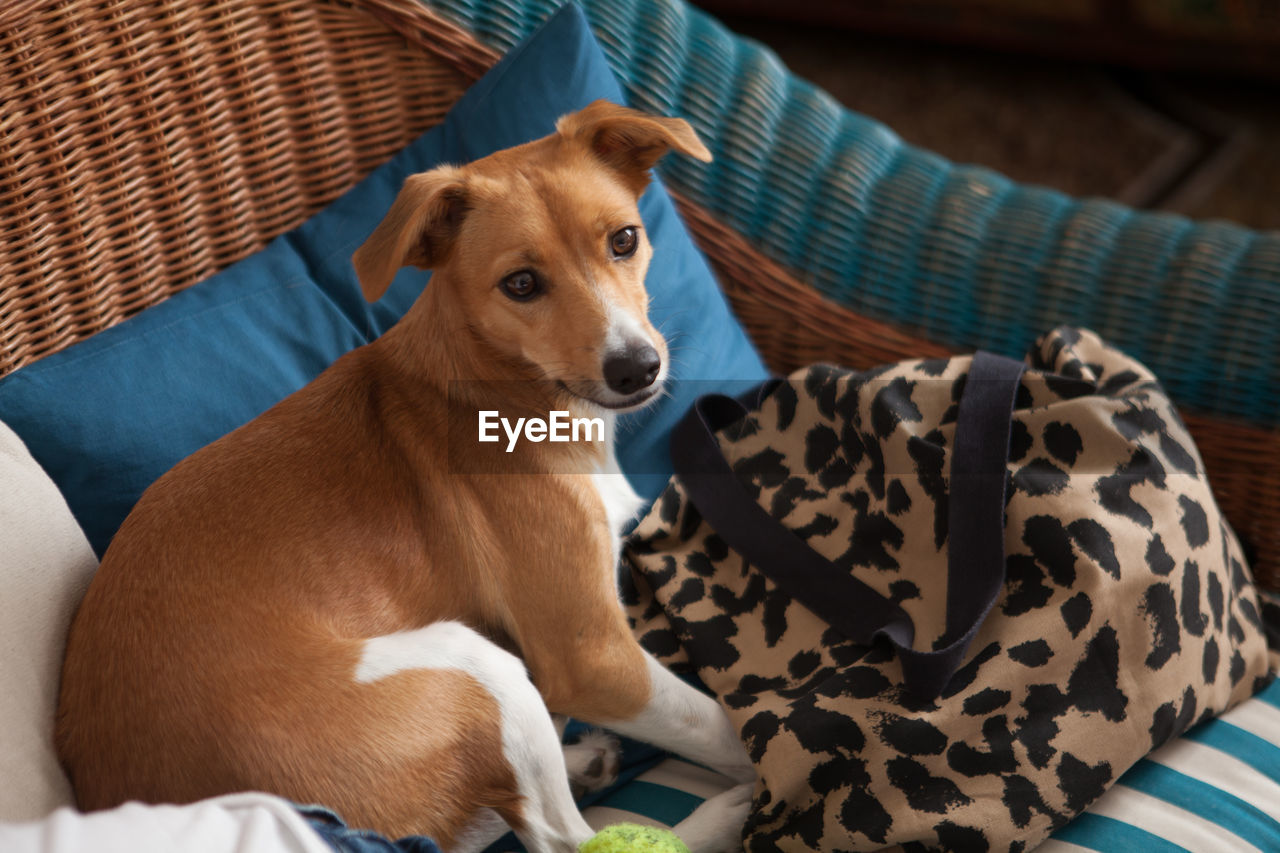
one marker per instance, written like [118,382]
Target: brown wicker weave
[148,144]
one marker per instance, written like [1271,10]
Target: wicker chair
[149,143]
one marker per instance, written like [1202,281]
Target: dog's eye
[623,242]
[521,285]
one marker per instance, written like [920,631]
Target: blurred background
[1161,104]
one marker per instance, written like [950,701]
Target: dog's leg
[686,721]
[546,819]
[588,665]
[716,825]
[592,764]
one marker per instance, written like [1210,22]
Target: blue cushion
[108,416]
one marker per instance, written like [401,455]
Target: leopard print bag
[1122,609]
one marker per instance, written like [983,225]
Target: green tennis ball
[633,838]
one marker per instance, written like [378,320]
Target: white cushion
[45,566]
[237,823]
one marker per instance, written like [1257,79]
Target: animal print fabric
[1128,612]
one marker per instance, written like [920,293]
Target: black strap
[975,555]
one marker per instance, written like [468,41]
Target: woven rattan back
[148,144]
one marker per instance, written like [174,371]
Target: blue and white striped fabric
[1216,789]
[661,796]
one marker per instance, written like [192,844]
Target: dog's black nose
[629,371]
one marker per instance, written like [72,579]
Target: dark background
[1160,104]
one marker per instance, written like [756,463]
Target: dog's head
[541,249]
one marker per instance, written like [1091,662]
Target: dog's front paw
[593,762]
[716,825]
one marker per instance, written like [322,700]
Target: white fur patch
[621,503]
[593,761]
[689,723]
[624,331]
[716,825]
[529,740]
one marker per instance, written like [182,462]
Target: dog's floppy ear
[418,230]
[630,141]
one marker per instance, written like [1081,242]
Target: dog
[326,605]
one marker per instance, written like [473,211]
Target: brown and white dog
[326,605]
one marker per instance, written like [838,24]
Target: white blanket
[238,823]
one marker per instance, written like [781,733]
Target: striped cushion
[661,796]
[1215,789]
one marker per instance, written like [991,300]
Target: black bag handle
[975,551]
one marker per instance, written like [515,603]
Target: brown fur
[215,649]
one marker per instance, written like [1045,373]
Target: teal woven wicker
[959,253]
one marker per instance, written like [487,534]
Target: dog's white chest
[621,503]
